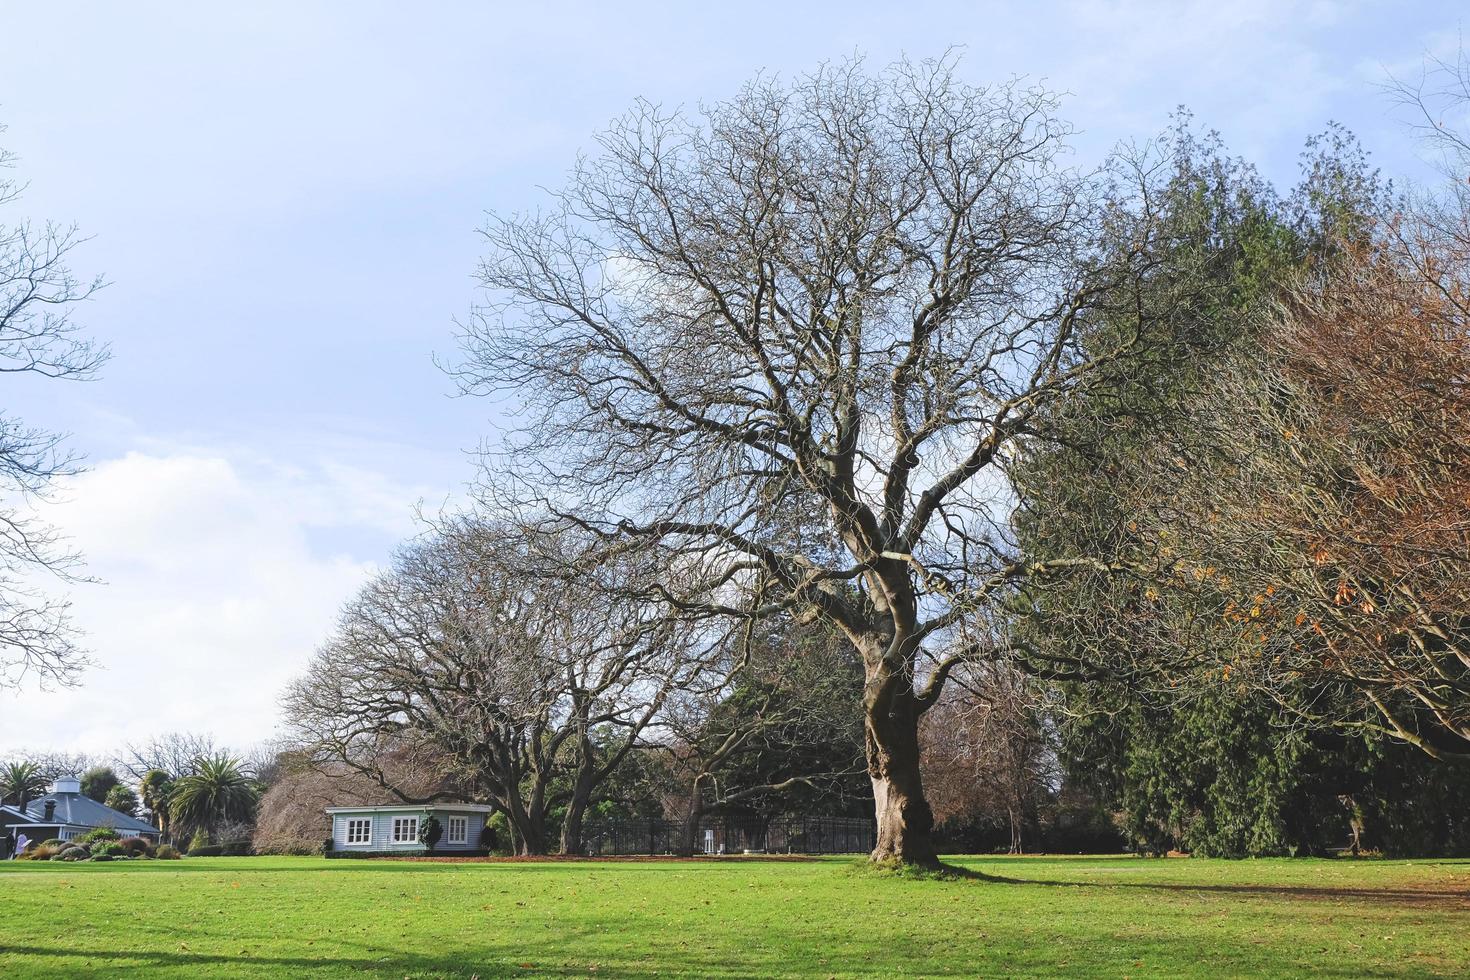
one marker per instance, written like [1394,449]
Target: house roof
[75,810]
[458,807]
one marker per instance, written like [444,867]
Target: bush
[429,832]
[207,851]
[73,852]
[136,846]
[54,842]
[167,852]
[107,847]
[98,834]
[237,848]
[102,857]
[200,839]
[41,852]
[495,838]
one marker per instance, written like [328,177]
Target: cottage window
[359,831]
[405,830]
[458,830]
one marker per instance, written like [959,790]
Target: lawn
[1112,916]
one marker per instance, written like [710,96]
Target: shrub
[236,848]
[73,852]
[54,842]
[495,838]
[207,851]
[102,857]
[98,834]
[200,839]
[429,832]
[41,852]
[136,846]
[107,847]
[167,852]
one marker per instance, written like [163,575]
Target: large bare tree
[792,340]
[38,294]
[465,653]
[172,752]
[988,751]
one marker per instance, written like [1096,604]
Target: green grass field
[1116,916]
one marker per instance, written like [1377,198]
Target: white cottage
[395,829]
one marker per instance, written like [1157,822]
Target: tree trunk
[527,824]
[695,812]
[571,825]
[585,781]
[905,822]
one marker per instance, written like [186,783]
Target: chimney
[50,810]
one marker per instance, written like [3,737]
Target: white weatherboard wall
[382,829]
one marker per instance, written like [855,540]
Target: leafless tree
[792,341]
[1331,551]
[1340,546]
[291,818]
[38,295]
[174,753]
[987,751]
[463,651]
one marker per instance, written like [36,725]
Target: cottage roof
[74,810]
[456,807]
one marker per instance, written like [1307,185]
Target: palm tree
[157,787]
[21,780]
[218,790]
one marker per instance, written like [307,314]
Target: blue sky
[285,196]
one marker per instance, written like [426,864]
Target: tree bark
[571,825]
[695,812]
[527,822]
[905,822]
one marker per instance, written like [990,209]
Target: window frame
[412,836]
[463,837]
[358,823]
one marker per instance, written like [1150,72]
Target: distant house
[386,830]
[64,813]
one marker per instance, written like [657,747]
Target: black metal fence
[733,835]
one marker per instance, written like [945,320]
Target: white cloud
[220,573]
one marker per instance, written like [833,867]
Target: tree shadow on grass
[550,958]
[431,865]
[526,961]
[1418,897]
